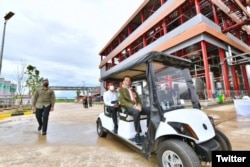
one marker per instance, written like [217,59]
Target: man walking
[43,102]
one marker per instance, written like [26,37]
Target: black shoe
[137,139]
[43,133]
[115,131]
[39,128]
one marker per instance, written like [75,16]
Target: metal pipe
[206,68]
[242,7]
[247,21]
[228,12]
[225,74]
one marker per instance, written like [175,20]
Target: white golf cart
[180,135]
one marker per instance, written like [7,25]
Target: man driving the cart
[133,105]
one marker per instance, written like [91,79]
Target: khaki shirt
[125,98]
[43,98]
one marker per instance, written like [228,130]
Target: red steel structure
[214,34]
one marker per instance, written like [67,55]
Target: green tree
[33,80]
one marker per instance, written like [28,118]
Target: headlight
[183,129]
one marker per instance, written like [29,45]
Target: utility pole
[6,18]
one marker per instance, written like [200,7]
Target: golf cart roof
[135,66]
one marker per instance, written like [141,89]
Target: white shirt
[110,96]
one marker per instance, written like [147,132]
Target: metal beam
[75,88]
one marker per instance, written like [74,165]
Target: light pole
[6,18]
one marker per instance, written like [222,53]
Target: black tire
[223,140]
[176,153]
[100,129]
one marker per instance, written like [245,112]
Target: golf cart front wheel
[223,140]
[173,153]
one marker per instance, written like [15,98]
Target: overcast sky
[61,38]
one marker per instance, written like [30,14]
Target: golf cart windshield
[172,86]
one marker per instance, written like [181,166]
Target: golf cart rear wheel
[223,140]
[173,153]
[100,129]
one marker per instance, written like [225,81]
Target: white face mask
[111,87]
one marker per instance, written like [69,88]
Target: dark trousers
[136,115]
[42,116]
[85,105]
[113,112]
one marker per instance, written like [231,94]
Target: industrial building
[213,34]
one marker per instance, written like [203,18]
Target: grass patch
[28,112]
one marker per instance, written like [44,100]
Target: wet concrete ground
[72,140]
[236,128]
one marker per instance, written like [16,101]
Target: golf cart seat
[123,114]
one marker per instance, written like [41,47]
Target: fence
[8,102]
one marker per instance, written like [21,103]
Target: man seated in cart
[133,105]
[110,99]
